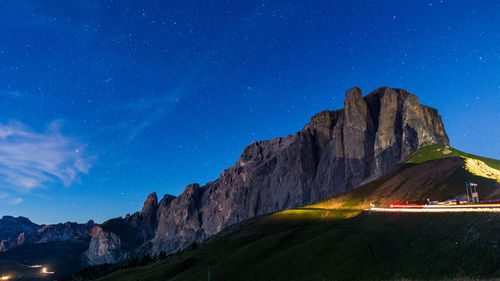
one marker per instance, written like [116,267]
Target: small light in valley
[44,271]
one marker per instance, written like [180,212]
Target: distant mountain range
[18,231]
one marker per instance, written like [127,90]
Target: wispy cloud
[7,198]
[145,112]
[30,159]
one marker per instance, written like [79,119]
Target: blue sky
[104,102]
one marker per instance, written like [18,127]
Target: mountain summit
[336,152]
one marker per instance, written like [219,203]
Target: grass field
[370,246]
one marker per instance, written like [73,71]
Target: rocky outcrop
[337,151]
[119,238]
[145,220]
[180,221]
[105,247]
[36,234]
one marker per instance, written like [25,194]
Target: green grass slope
[370,246]
[336,240]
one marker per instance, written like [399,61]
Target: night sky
[104,102]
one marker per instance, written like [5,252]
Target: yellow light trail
[5,278]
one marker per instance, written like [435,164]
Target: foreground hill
[337,240]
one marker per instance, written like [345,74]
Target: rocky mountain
[11,227]
[122,237]
[336,152]
[146,219]
[18,231]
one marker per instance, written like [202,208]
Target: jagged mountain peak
[151,204]
[352,95]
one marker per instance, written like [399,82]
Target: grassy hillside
[336,240]
[370,246]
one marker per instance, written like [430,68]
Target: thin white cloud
[145,112]
[30,159]
[7,198]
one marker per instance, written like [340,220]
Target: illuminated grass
[479,168]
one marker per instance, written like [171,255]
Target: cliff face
[105,247]
[337,151]
[120,238]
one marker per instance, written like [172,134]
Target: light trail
[456,206]
[483,205]
[434,210]
[5,278]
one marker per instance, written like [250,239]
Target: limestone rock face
[145,220]
[337,151]
[180,222]
[105,247]
[119,238]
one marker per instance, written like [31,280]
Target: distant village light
[44,271]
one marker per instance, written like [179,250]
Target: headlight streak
[434,210]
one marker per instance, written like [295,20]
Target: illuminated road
[415,208]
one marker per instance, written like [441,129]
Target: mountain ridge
[337,151]
[15,232]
